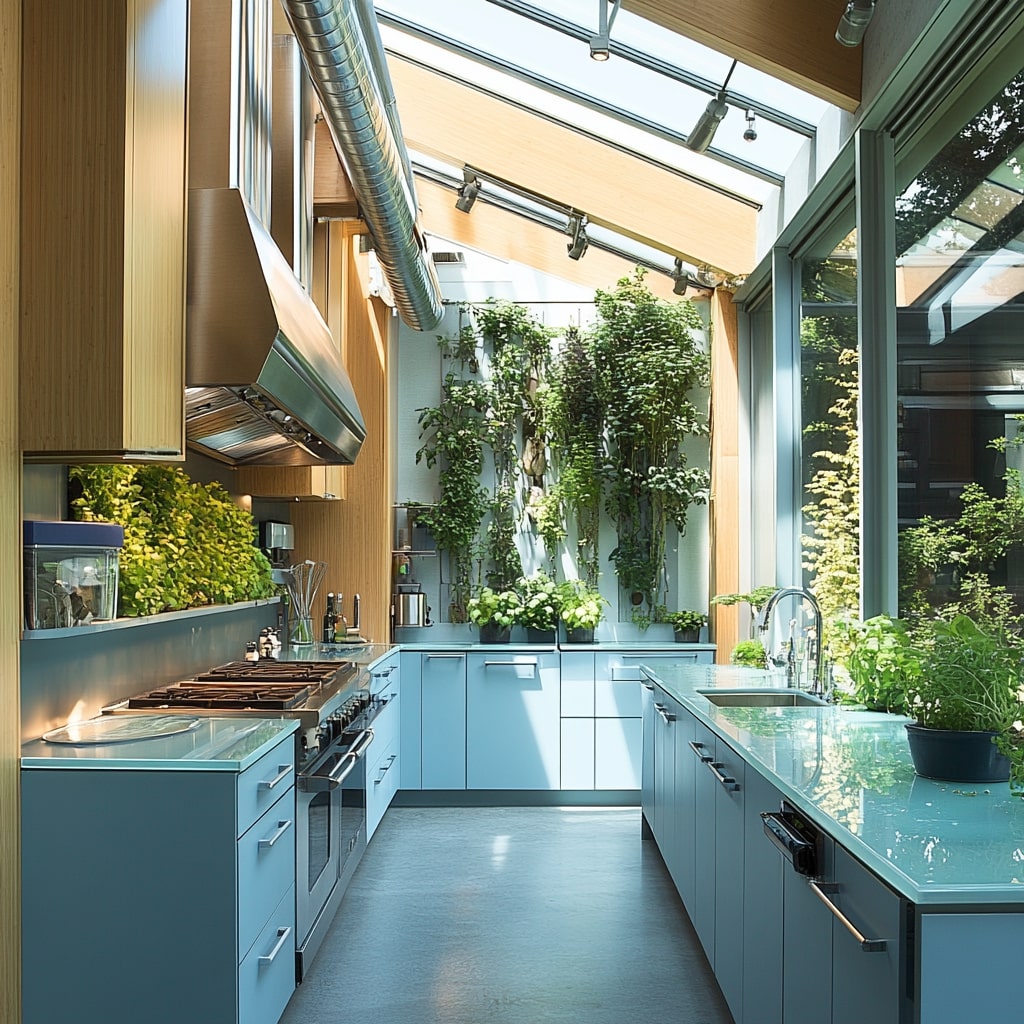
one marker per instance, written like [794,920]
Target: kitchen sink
[762,698]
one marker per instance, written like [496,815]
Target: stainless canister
[410,609]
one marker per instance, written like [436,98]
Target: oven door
[323,842]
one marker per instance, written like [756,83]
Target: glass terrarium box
[71,573]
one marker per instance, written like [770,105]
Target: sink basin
[762,698]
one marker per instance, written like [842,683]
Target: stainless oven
[330,834]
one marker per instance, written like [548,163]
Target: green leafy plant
[686,621]
[651,372]
[881,661]
[186,544]
[540,601]
[494,607]
[749,653]
[970,678]
[580,606]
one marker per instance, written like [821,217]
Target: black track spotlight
[600,45]
[750,134]
[854,22]
[680,279]
[577,230]
[704,130]
[468,191]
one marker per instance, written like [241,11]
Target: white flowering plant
[494,607]
[540,607]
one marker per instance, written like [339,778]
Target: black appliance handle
[798,848]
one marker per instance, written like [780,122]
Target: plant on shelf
[495,612]
[581,609]
[749,654]
[970,690]
[879,659]
[651,374]
[686,624]
[540,603]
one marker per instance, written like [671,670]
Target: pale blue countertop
[214,744]
[850,772]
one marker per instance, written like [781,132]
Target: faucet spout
[814,647]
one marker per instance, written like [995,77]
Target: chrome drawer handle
[726,780]
[283,771]
[822,891]
[698,749]
[648,686]
[667,715]
[530,663]
[385,673]
[385,770]
[282,938]
[282,827]
[457,657]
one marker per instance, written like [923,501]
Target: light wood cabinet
[103,230]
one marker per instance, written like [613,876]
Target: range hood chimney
[265,381]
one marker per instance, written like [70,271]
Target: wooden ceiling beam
[458,125]
[794,40]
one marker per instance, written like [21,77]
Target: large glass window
[960,368]
[830,458]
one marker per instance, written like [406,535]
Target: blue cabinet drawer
[620,666]
[266,868]
[266,977]
[617,698]
[260,786]
[618,744]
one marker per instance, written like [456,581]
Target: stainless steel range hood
[265,383]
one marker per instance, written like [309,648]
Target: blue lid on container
[51,533]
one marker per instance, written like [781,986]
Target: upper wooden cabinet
[103,229]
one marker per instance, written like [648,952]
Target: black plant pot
[953,756]
[579,636]
[492,633]
[540,636]
[686,636]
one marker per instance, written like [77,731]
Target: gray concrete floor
[510,915]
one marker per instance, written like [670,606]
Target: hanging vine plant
[574,415]
[649,364]
[454,433]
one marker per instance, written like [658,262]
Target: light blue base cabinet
[513,727]
[383,765]
[160,896]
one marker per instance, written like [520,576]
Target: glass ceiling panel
[661,150]
[554,55]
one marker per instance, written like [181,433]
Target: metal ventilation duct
[340,64]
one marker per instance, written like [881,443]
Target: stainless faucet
[814,646]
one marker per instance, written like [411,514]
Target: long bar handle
[282,938]
[666,715]
[726,780]
[282,827]
[283,771]
[443,657]
[385,673]
[525,663]
[648,686]
[364,739]
[822,891]
[698,749]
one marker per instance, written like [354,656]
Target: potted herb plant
[966,703]
[880,659]
[495,612]
[581,608]
[539,612]
[686,625]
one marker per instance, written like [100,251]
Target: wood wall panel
[725,471]
[459,125]
[794,40]
[354,536]
[10,517]
[333,195]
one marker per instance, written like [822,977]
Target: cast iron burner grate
[185,695]
[269,671]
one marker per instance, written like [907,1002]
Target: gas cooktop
[272,697]
[267,670]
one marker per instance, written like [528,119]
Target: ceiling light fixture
[854,22]
[750,135]
[468,191]
[704,130]
[576,228]
[600,45]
